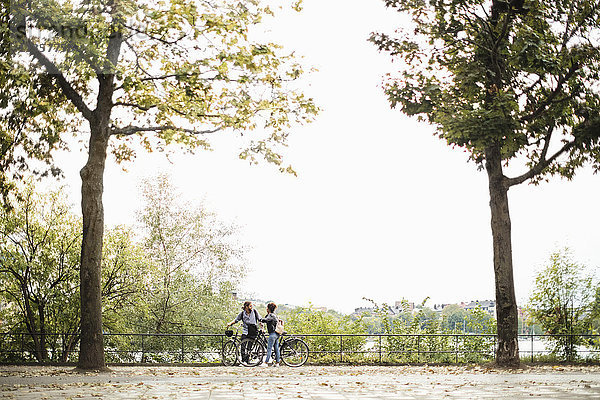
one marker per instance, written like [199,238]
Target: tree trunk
[507,353]
[42,313]
[69,342]
[30,324]
[91,350]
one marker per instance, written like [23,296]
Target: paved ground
[314,383]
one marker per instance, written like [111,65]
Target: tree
[177,278]
[140,73]
[595,314]
[39,247]
[125,275]
[28,125]
[512,82]
[454,317]
[40,244]
[195,262]
[562,301]
[478,320]
[18,143]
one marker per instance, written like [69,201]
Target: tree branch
[569,35]
[547,143]
[150,78]
[161,40]
[123,104]
[132,130]
[113,49]
[66,87]
[541,165]
[561,81]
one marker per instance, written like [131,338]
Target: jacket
[271,320]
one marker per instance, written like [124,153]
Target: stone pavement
[308,382]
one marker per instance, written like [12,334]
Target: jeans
[270,342]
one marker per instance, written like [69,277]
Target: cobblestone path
[309,382]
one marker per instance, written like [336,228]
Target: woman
[249,318]
[271,320]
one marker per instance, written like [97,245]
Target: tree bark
[30,323]
[42,313]
[91,350]
[507,353]
[67,347]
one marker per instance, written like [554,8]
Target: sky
[381,208]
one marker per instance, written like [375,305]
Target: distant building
[485,305]
[398,308]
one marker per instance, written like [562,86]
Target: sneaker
[276,364]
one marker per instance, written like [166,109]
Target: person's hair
[271,307]
[246,304]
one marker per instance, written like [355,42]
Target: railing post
[571,358]
[182,351]
[143,355]
[531,347]
[419,348]
[341,346]
[379,348]
[456,349]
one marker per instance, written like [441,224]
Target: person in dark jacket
[271,320]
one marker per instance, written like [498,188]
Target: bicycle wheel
[294,352]
[252,352]
[229,354]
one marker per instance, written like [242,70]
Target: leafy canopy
[179,71]
[39,256]
[520,74]
[195,263]
[175,275]
[40,248]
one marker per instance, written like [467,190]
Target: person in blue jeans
[271,320]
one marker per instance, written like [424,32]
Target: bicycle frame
[257,347]
[283,338]
[285,341]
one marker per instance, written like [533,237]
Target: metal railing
[185,348]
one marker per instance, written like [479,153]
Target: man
[249,317]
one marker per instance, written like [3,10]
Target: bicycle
[233,349]
[293,350]
[230,354]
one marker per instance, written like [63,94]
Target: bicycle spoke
[252,352]
[294,352]
[229,354]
